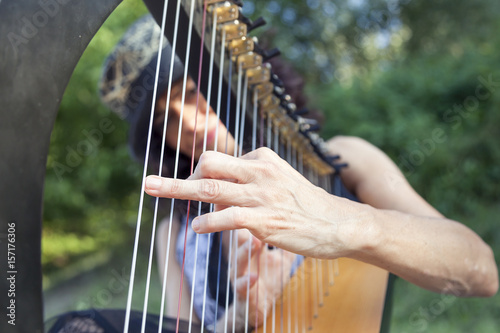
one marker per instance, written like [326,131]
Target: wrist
[362,232]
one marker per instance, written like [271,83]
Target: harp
[30,95]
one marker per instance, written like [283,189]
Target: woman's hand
[266,276]
[405,235]
[264,194]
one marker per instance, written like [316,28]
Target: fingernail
[153,183]
[196,225]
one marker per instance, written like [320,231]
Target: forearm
[434,253]
[406,235]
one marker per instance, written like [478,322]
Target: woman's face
[213,125]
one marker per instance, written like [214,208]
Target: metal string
[141,200]
[193,287]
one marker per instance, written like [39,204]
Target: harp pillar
[42,41]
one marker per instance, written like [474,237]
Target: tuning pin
[301,112]
[277,82]
[257,23]
[332,158]
[313,128]
[237,3]
[339,166]
[287,98]
[266,54]
[304,124]
[309,125]
[278,90]
[288,105]
[291,107]
[270,54]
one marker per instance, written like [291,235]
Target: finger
[206,190]
[241,283]
[262,153]
[264,158]
[242,256]
[221,166]
[228,219]
[242,259]
[243,236]
[220,207]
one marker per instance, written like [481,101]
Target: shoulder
[342,144]
[368,166]
[359,154]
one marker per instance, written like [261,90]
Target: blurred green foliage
[91,188]
[392,72]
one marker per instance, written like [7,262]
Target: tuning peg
[313,128]
[237,3]
[301,112]
[255,24]
[309,125]
[340,166]
[332,158]
[277,82]
[266,55]
[288,105]
[305,124]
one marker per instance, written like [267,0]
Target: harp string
[281,288]
[175,175]
[235,303]
[141,200]
[237,152]
[296,291]
[192,163]
[232,234]
[319,268]
[179,134]
[229,265]
[179,137]
[221,236]
[244,111]
[254,143]
[218,275]
[266,273]
[172,204]
[207,113]
[219,101]
[287,150]
[264,245]
[250,238]
[289,299]
[300,162]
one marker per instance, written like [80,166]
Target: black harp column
[41,43]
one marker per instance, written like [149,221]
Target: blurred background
[419,79]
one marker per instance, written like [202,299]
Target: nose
[191,118]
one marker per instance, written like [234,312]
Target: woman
[127,87]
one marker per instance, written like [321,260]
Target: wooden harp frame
[41,45]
